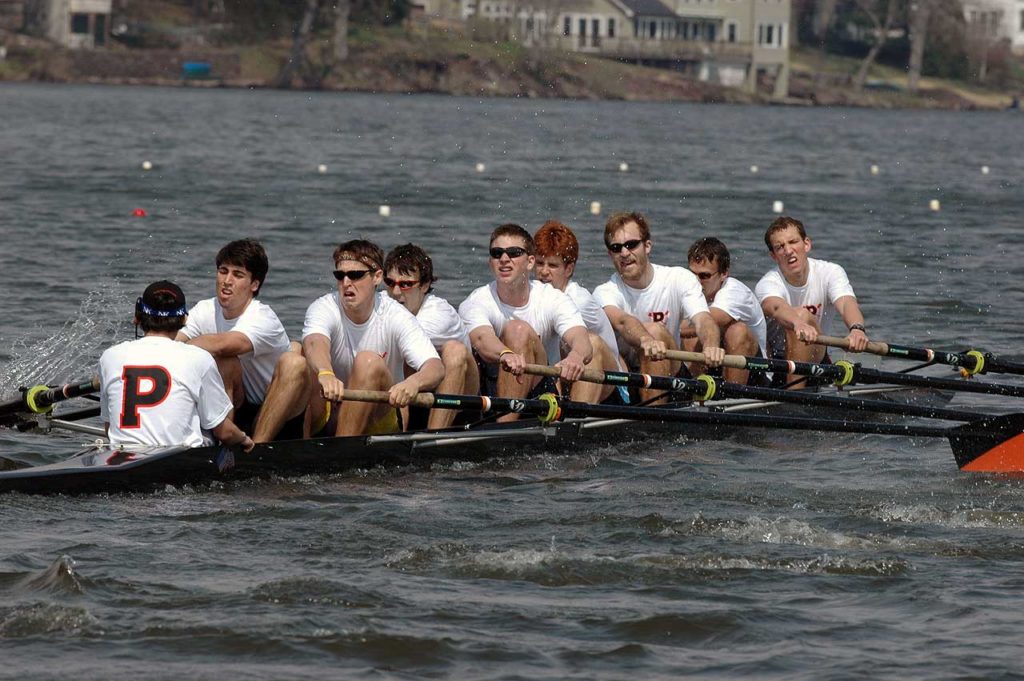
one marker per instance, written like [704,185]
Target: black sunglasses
[629,245]
[353,275]
[402,284]
[704,276]
[512,252]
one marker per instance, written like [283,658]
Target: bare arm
[486,343]
[317,349]
[427,378]
[721,317]
[632,330]
[849,310]
[710,338]
[581,351]
[232,436]
[789,317]
[227,344]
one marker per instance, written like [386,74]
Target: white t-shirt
[391,331]
[594,316]
[441,322]
[674,293]
[260,325]
[549,312]
[739,302]
[826,283]
[174,393]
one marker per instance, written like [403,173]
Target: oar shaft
[973,360]
[724,389]
[835,372]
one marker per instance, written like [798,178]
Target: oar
[971,361]
[994,444]
[708,388]
[846,373]
[41,398]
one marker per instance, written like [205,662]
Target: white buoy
[384,211]
[934,205]
[623,167]
[754,169]
[595,207]
[875,170]
[480,167]
[777,207]
[984,170]
[146,165]
[321,169]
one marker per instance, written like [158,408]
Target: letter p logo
[143,387]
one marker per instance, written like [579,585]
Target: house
[993,20]
[72,23]
[732,42]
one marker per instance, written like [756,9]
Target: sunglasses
[704,276]
[629,245]
[403,284]
[512,252]
[353,275]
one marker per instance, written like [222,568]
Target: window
[79,23]
[567,26]
[583,26]
[711,33]
[731,32]
[1022,20]
[653,29]
[684,30]
[769,36]
[611,28]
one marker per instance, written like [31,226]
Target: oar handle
[589,375]
[874,347]
[731,361]
[424,400]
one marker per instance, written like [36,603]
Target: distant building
[72,23]
[12,15]
[730,42]
[994,20]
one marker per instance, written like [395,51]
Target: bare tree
[870,8]
[920,12]
[297,59]
[824,10]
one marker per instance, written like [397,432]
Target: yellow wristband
[504,352]
[322,372]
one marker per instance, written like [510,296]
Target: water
[772,556]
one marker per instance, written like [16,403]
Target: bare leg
[663,367]
[798,351]
[691,344]
[520,338]
[738,339]
[369,372]
[604,360]
[287,396]
[231,373]
[461,377]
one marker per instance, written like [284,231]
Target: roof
[648,8]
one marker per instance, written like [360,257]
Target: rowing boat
[101,468]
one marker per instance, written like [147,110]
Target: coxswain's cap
[162,299]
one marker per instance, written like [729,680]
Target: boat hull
[103,469]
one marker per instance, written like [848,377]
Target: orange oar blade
[994,445]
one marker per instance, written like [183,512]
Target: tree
[920,11]
[297,59]
[881,29]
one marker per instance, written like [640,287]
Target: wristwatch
[858,327]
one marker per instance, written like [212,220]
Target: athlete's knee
[517,333]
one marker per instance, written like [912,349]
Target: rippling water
[776,556]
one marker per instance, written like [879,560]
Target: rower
[659,297]
[732,305]
[154,391]
[263,372]
[409,279]
[355,338]
[798,298]
[513,322]
[557,251]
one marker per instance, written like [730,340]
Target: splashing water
[71,353]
